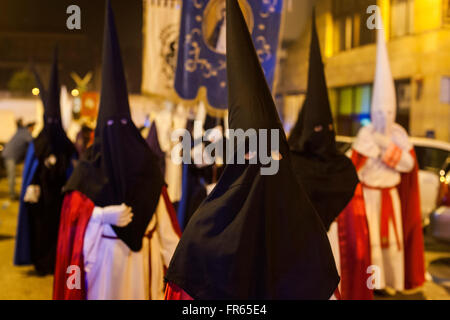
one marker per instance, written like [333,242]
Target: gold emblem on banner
[214,23]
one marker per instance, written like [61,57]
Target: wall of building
[423,57]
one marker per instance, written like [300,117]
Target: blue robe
[22,255]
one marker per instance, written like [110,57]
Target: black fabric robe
[119,167]
[328,176]
[51,176]
[255,236]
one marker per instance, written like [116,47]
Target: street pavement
[16,283]
[22,283]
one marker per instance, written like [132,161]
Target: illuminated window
[446,12]
[402,18]
[353,108]
[445,90]
[404,98]
[350,27]
[353,105]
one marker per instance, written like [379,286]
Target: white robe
[376,174]
[166,123]
[114,272]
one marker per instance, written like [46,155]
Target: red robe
[413,243]
[354,238]
[75,215]
[354,244]
[174,292]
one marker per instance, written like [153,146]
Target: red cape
[413,242]
[75,214]
[354,244]
[354,238]
[174,292]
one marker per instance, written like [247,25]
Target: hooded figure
[384,101]
[116,207]
[388,194]
[47,168]
[327,175]
[153,143]
[200,177]
[255,236]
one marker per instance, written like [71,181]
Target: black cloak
[195,179]
[255,236]
[55,153]
[329,177]
[119,167]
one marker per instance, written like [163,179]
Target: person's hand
[381,140]
[119,216]
[50,161]
[32,194]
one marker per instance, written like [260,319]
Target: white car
[440,219]
[432,156]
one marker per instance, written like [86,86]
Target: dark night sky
[49,16]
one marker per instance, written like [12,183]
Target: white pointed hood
[384,103]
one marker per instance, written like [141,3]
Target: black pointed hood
[52,138]
[314,132]
[255,236]
[114,94]
[50,97]
[119,167]
[324,172]
[153,143]
[250,101]
[52,105]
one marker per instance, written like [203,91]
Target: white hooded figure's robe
[382,170]
[114,272]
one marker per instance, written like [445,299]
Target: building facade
[418,36]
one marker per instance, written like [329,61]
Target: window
[350,28]
[431,159]
[402,18]
[445,90]
[404,97]
[446,12]
[352,106]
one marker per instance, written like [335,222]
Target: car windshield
[431,159]
[343,146]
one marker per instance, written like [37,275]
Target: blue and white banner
[202,45]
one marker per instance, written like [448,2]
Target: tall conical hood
[250,100]
[314,132]
[384,97]
[153,143]
[114,94]
[324,172]
[50,96]
[119,167]
[53,104]
[52,139]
